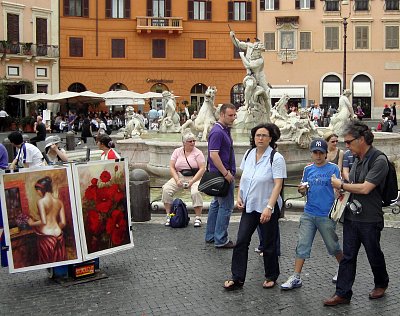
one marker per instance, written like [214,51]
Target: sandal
[266,284]
[232,285]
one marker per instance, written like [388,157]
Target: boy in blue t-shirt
[316,183]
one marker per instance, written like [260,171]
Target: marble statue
[257,100]
[170,121]
[134,125]
[299,129]
[345,113]
[206,117]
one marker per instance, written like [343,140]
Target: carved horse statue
[206,118]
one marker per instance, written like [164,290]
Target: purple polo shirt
[220,140]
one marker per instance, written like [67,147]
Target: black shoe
[229,245]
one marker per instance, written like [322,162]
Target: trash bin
[139,189]
[10,149]
[70,140]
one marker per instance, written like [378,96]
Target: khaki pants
[171,188]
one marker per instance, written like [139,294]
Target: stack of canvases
[59,215]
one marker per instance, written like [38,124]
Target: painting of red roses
[103,207]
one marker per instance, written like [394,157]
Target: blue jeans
[308,227]
[369,235]
[219,215]
[248,224]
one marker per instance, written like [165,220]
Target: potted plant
[27,48]
[5,47]
[27,123]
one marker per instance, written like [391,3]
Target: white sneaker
[79,143]
[197,222]
[292,283]
[167,220]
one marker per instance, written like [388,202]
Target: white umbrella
[150,94]
[121,97]
[33,97]
[75,97]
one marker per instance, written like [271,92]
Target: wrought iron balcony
[150,23]
[29,49]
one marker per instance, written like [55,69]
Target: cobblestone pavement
[173,272]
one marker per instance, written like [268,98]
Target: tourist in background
[186,166]
[106,144]
[335,154]
[54,153]
[28,155]
[40,129]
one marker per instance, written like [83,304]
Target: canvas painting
[102,196]
[40,220]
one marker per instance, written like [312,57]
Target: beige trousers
[171,188]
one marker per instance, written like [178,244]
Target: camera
[185,185]
[355,207]
[305,184]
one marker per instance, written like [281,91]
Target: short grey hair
[188,136]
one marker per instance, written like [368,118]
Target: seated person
[187,166]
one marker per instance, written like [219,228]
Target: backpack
[181,217]
[390,189]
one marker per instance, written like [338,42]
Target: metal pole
[344,51]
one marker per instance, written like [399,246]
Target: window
[199,10]
[391,91]
[392,5]
[269,41]
[42,88]
[76,47]
[13,71]
[76,8]
[77,87]
[41,72]
[392,37]
[305,4]
[361,5]
[118,9]
[332,37]
[13,32]
[239,10]
[199,49]
[117,48]
[269,5]
[159,8]
[41,37]
[305,40]
[331,5]
[362,37]
[159,48]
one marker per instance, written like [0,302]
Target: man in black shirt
[363,219]
[40,129]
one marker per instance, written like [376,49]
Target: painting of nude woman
[40,220]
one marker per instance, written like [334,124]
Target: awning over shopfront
[294,93]
[124,101]
[361,89]
[331,89]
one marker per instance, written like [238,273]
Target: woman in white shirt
[259,198]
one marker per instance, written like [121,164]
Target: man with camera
[363,218]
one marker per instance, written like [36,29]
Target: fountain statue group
[257,106]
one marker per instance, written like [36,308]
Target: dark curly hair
[273,130]
[357,129]
[44,185]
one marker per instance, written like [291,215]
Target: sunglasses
[348,142]
[334,141]
[191,141]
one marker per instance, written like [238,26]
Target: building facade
[29,50]
[155,45]
[308,57]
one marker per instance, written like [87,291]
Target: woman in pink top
[187,166]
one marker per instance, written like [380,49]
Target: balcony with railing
[28,50]
[149,24]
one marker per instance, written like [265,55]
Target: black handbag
[189,172]
[214,183]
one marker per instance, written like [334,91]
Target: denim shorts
[307,229]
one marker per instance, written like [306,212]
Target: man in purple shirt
[221,158]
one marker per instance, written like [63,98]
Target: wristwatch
[271,208]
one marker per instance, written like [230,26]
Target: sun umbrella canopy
[33,97]
[149,95]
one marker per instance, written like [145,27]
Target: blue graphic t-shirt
[320,194]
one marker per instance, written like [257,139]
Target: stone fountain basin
[152,152]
